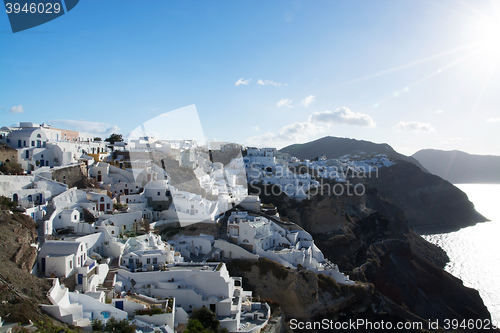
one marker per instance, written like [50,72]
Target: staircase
[110,277]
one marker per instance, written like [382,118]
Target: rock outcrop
[20,292]
[426,199]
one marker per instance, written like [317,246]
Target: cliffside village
[106,238]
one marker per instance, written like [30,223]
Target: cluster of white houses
[91,235]
[268,166]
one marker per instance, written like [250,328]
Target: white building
[194,285]
[61,258]
[266,238]
[79,309]
[146,253]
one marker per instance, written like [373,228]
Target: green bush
[6,203]
[112,326]
[153,310]
[11,168]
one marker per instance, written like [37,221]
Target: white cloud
[16,109]
[342,116]
[493,120]
[284,102]
[308,100]
[242,81]
[88,127]
[255,128]
[268,82]
[439,111]
[292,133]
[414,127]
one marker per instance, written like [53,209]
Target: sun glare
[487,36]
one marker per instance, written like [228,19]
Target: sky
[414,74]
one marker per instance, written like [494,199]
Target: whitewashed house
[266,238]
[61,258]
[79,309]
[194,285]
[146,253]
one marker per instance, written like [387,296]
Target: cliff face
[374,248]
[405,270]
[426,199]
[299,293]
[20,292]
[317,214]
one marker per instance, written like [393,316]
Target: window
[27,154]
[32,143]
[137,262]
[42,155]
[108,206]
[155,261]
[81,247]
[78,261]
[19,143]
[158,193]
[70,264]
[148,261]
[102,199]
[24,144]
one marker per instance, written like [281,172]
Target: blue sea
[475,251]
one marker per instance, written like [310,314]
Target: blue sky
[414,74]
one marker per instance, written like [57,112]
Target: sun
[487,38]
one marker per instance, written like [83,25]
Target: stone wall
[73,175]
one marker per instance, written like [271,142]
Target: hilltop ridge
[335,147]
[459,167]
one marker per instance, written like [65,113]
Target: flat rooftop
[194,266]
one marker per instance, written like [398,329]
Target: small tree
[114,138]
[97,139]
[194,326]
[207,318]
[97,325]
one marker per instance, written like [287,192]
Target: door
[43,265]
[212,308]
[80,278]
[131,264]
[99,178]
[102,208]
[126,191]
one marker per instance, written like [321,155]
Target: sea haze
[475,251]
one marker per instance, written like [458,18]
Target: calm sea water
[475,251]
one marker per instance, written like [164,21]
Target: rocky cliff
[426,199]
[20,292]
[405,270]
